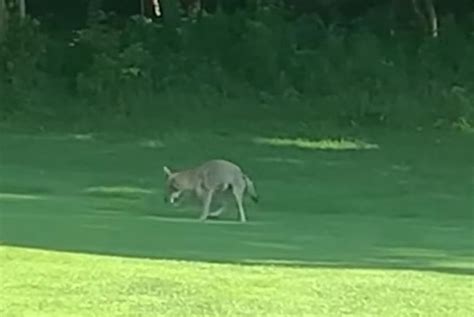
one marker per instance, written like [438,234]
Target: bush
[278,67]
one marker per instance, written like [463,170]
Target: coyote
[208,179]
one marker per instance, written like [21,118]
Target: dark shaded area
[120,226]
[222,255]
[74,14]
[257,64]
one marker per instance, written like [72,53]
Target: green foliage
[300,68]
[21,53]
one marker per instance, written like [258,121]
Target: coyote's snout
[206,180]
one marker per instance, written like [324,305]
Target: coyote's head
[172,190]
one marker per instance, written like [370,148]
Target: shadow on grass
[123,192]
[112,229]
[312,242]
[183,237]
[381,263]
[14,189]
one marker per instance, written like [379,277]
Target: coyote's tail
[251,188]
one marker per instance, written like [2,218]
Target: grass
[318,145]
[377,232]
[63,284]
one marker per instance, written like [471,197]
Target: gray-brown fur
[208,179]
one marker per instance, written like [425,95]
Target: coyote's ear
[167,171]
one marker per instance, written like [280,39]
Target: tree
[21,7]
[3,18]
[94,11]
[170,12]
[433,19]
[427,16]
[156,7]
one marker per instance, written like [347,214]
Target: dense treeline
[350,62]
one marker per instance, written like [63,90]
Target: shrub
[294,68]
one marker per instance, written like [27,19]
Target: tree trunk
[157,8]
[170,12]
[21,7]
[429,21]
[393,17]
[421,17]
[432,18]
[3,19]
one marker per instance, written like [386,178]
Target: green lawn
[386,230]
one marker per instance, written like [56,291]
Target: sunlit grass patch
[17,196]
[83,137]
[281,160]
[85,284]
[326,144]
[117,191]
[290,263]
[152,144]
